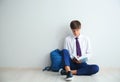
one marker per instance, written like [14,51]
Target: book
[82,58]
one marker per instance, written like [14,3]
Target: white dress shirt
[70,45]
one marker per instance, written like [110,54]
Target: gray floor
[36,75]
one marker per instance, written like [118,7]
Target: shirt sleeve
[88,49]
[67,46]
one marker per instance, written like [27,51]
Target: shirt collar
[78,36]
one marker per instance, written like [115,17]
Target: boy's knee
[64,50]
[94,69]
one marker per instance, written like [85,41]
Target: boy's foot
[69,76]
[62,72]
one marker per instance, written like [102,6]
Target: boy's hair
[75,24]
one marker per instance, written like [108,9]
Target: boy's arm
[88,51]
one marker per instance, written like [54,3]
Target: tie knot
[76,38]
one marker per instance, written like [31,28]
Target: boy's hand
[76,61]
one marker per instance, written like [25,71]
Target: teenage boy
[75,53]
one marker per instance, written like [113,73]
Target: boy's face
[76,32]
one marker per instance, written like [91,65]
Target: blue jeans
[82,68]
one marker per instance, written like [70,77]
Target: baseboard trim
[39,68]
[20,68]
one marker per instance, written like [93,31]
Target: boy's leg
[67,64]
[85,69]
[66,60]
[82,68]
[74,72]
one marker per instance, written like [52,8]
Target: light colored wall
[30,29]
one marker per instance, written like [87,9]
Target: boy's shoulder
[71,38]
[84,37]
